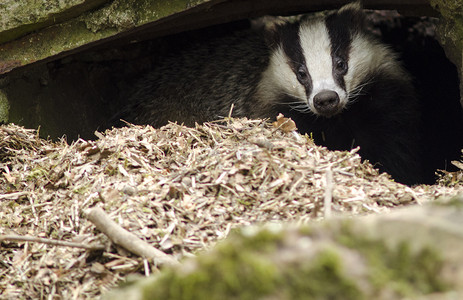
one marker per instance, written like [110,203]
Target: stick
[13,196]
[19,238]
[127,240]
[231,111]
[328,193]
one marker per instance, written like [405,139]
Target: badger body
[325,72]
[201,82]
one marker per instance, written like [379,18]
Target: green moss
[22,17]
[226,274]
[231,271]
[455,202]
[398,268]
[322,278]
[90,26]
[240,268]
[404,272]
[119,15]
[264,241]
[4,107]
[447,8]
[124,14]
[260,264]
[450,29]
[250,276]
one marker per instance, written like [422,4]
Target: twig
[126,239]
[19,238]
[231,110]
[328,193]
[230,114]
[13,196]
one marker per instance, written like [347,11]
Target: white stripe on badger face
[279,76]
[316,47]
[366,57]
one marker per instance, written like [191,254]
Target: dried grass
[179,189]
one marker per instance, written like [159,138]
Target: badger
[326,72]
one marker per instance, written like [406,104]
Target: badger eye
[301,74]
[341,65]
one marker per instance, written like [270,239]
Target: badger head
[322,62]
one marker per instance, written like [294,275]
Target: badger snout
[327,103]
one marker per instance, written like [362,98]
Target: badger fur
[326,72]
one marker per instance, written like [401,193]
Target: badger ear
[353,15]
[272,28]
[268,23]
[357,5]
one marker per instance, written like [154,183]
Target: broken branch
[127,240]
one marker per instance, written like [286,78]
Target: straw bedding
[178,189]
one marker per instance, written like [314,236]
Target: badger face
[321,63]
[321,71]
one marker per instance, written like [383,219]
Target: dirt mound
[179,189]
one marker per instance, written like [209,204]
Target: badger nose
[326,103]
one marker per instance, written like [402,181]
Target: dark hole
[437,84]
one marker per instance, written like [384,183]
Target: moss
[232,271]
[125,14]
[22,17]
[264,240]
[229,273]
[322,278]
[240,268]
[398,268]
[90,26]
[455,202]
[404,272]
[119,15]
[450,30]
[4,108]
[448,8]
[259,263]
[245,275]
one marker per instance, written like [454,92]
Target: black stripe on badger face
[341,26]
[340,45]
[292,47]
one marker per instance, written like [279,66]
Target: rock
[450,33]
[4,107]
[63,26]
[411,253]
[22,17]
